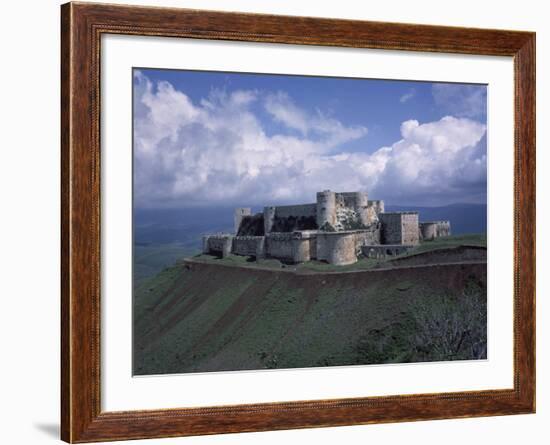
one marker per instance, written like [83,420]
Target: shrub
[450,327]
[433,328]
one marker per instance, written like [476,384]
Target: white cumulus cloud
[437,162]
[218,152]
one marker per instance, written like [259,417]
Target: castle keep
[337,228]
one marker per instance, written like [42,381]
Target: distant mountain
[465,218]
[185,226]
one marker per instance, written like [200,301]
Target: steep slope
[204,317]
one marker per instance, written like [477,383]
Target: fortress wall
[296,247]
[289,218]
[443,228]
[370,236]
[252,225]
[322,248]
[433,229]
[384,250]
[313,248]
[410,228]
[218,244]
[249,246]
[301,250]
[279,245]
[337,248]
[428,230]
[346,199]
[296,210]
[399,228]
[238,215]
[391,228]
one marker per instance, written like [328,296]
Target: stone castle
[337,228]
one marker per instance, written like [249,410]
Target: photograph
[290,221]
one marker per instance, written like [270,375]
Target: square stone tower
[238,216]
[400,228]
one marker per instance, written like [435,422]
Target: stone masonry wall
[428,230]
[337,248]
[279,245]
[238,216]
[297,215]
[249,246]
[410,228]
[391,228]
[434,229]
[296,247]
[399,228]
[443,228]
[370,236]
[296,210]
[217,244]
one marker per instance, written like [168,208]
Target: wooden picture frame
[82,25]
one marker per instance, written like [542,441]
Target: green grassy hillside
[151,258]
[199,317]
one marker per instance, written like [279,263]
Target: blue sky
[216,138]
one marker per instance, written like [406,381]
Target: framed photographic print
[276,222]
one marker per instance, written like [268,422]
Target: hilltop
[212,316]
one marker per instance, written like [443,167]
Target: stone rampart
[434,229]
[384,250]
[296,210]
[279,245]
[399,228]
[337,248]
[217,244]
[290,218]
[369,236]
[249,246]
[238,216]
[410,228]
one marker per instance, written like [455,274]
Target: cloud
[437,163]
[461,100]
[407,96]
[217,152]
[283,110]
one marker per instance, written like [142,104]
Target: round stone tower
[362,207]
[326,208]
